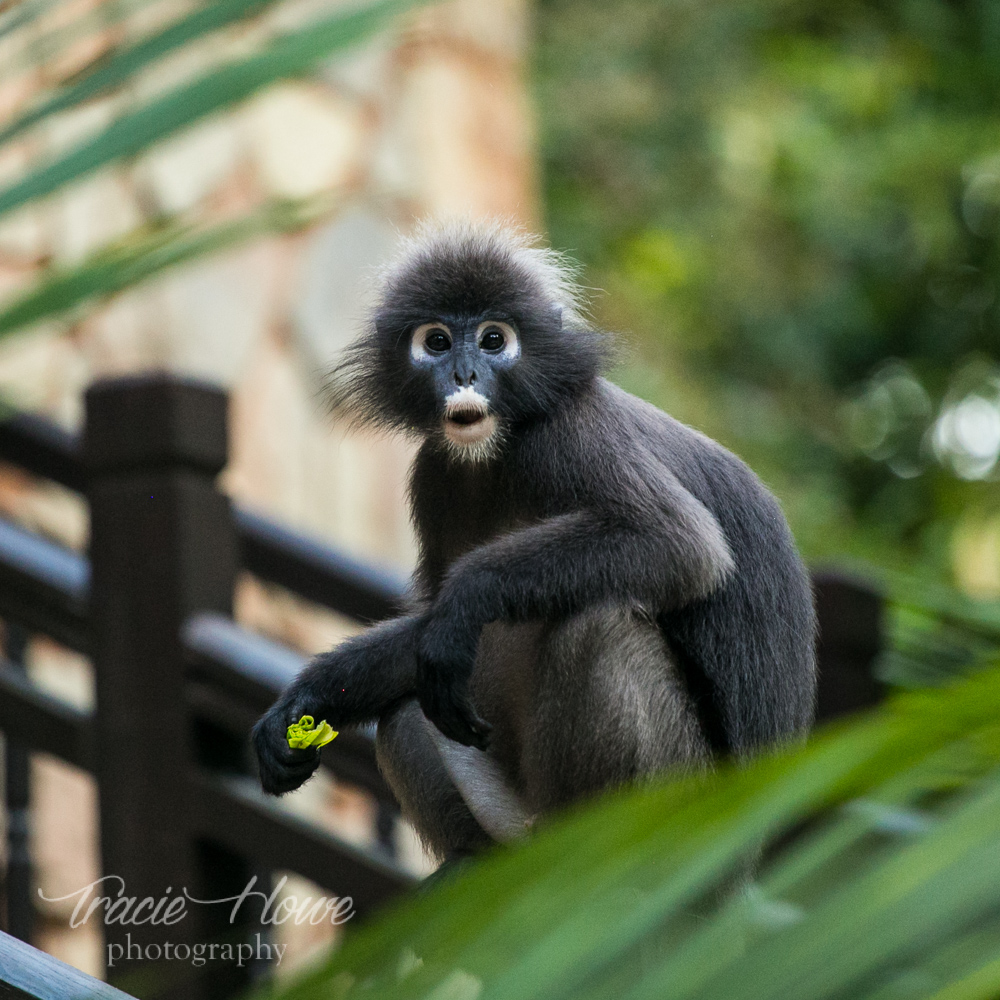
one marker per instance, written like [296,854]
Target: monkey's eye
[437,341]
[498,338]
[493,339]
[430,339]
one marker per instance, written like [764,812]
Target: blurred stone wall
[429,119]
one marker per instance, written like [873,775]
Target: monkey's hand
[351,684]
[446,654]
[281,768]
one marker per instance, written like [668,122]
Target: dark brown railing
[179,683]
[29,974]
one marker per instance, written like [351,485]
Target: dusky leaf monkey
[602,593]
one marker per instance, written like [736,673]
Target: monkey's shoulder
[608,436]
[703,466]
[606,449]
[616,448]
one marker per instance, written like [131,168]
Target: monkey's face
[464,360]
[467,343]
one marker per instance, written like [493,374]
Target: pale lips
[468,422]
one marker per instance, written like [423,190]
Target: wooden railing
[29,974]
[179,683]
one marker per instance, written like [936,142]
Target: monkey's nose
[471,380]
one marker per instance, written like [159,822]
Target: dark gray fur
[607,595]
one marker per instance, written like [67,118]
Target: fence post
[162,546]
[850,639]
[18,883]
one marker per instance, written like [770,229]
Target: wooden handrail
[29,974]
[305,565]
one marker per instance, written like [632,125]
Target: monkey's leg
[611,706]
[417,775]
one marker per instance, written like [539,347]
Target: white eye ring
[418,345]
[512,345]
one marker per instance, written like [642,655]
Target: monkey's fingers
[280,773]
[281,768]
[286,778]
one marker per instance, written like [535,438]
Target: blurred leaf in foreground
[166,242]
[123,65]
[882,880]
[147,252]
[290,55]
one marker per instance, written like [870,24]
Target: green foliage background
[795,206]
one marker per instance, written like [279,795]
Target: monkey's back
[748,650]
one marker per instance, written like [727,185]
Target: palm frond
[934,633]
[48,44]
[148,251]
[885,881]
[122,66]
[23,13]
[170,241]
[290,55]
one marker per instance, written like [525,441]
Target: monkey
[602,593]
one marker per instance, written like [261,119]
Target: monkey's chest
[445,543]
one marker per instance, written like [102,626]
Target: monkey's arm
[351,684]
[657,548]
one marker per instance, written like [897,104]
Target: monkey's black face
[466,358]
[468,344]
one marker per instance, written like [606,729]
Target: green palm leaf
[24,13]
[48,44]
[124,65]
[290,55]
[170,242]
[892,891]
[147,252]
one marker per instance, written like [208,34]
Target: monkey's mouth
[467,418]
[466,427]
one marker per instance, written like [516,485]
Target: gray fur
[602,594]
[576,707]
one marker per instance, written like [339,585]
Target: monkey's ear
[557,317]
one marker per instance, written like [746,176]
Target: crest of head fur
[497,251]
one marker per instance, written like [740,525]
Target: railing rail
[29,974]
[316,571]
[268,549]
[43,586]
[265,831]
